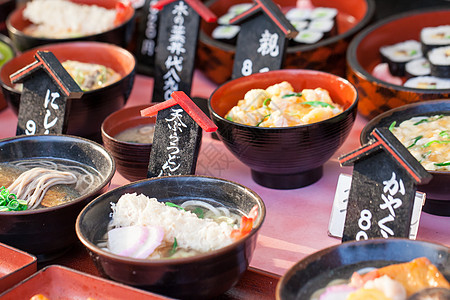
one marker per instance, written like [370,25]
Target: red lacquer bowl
[215,58]
[377,96]
[285,157]
[120,35]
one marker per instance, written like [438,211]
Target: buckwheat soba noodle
[40,183]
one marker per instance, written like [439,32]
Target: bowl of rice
[186,237]
[391,61]
[42,22]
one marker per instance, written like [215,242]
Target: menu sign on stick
[262,39]
[383,188]
[176,48]
[177,136]
[43,103]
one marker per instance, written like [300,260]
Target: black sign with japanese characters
[43,103]
[175,50]
[147,34]
[383,188]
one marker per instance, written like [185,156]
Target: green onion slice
[199,212]
[391,127]
[229,118]
[447,163]
[318,103]
[266,116]
[435,141]
[266,102]
[292,95]
[415,141]
[170,204]
[174,247]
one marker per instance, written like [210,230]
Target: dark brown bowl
[87,113]
[340,261]
[287,157]
[120,35]
[377,96]
[47,232]
[215,58]
[131,158]
[438,189]
[198,277]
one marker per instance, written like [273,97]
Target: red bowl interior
[19,23]
[227,95]
[108,55]
[16,265]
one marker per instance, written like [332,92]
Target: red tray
[15,265]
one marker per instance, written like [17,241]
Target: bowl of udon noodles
[45,182]
[423,128]
[393,268]
[186,237]
[41,22]
[104,72]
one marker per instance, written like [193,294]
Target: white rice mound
[191,232]
[62,18]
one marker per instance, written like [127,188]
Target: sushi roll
[428,82]
[238,9]
[308,37]
[417,67]
[225,19]
[433,37]
[298,14]
[324,13]
[327,27]
[300,25]
[440,61]
[399,54]
[226,33]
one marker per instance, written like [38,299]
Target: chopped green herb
[391,127]
[9,201]
[447,163]
[426,154]
[229,118]
[318,103]
[415,141]
[266,116]
[413,52]
[435,142]
[174,247]
[266,102]
[444,133]
[292,95]
[174,205]
[428,120]
[199,212]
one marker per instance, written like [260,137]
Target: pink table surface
[297,220]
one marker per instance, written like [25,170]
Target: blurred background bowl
[318,269]
[47,232]
[7,52]
[377,96]
[438,189]
[120,35]
[215,58]
[87,113]
[286,157]
[131,158]
[6,7]
[197,277]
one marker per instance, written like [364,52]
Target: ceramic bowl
[215,58]
[87,113]
[131,158]
[340,261]
[438,189]
[197,277]
[7,52]
[286,157]
[120,35]
[47,232]
[378,96]
[6,7]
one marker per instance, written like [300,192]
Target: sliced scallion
[435,142]
[447,163]
[391,127]
[415,141]
[292,95]
[174,247]
[266,102]
[266,116]
[318,103]
[170,204]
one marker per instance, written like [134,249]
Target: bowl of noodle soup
[56,176]
[194,259]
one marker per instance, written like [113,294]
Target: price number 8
[364,224]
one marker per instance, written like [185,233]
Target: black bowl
[120,35]
[340,261]
[438,189]
[285,157]
[202,276]
[46,232]
[87,113]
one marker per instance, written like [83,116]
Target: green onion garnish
[428,120]
[442,164]
[199,212]
[318,103]
[9,201]
[444,133]
[174,205]
[435,142]
[412,52]
[229,118]
[292,95]
[266,102]
[415,141]
[174,247]
[266,116]
[391,127]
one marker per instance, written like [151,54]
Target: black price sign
[177,137]
[43,102]
[262,40]
[176,48]
[383,188]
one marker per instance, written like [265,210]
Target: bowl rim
[14,31]
[364,132]
[205,38]
[116,49]
[300,72]
[312,257]
[356,67]
[169,261]
[8,42]
[104,182]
